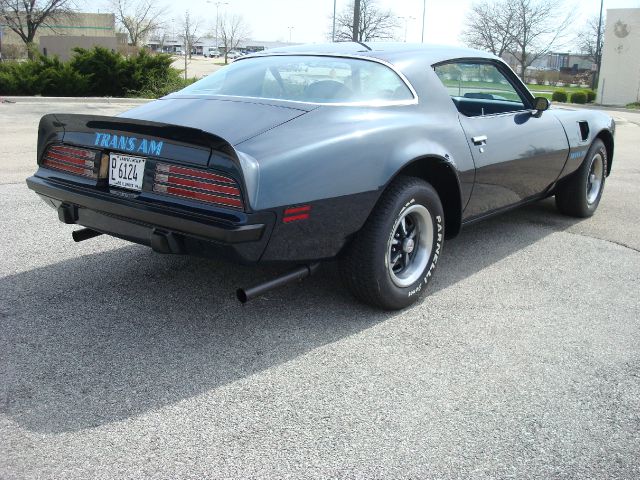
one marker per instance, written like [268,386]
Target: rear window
[311,79]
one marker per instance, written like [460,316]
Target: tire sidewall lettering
[436,250]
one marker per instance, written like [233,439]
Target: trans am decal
[128,144]
[576,155]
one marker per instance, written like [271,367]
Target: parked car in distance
[368,153]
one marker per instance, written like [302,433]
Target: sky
[269,20]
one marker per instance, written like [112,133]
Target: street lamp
[406,25]
[217,4]
[333,32]
[290,30]
[596,74]
[424,14]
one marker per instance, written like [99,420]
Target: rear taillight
[71,160]
[196,184]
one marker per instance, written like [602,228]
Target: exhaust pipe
[246,294]
[84,234]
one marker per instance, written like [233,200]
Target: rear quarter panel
[338,151]
[597,122]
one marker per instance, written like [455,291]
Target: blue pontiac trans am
[370,153]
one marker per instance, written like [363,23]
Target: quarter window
[479,89]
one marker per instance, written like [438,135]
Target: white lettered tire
[392,260]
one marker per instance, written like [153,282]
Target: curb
[137,101]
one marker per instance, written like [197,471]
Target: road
[116,362]
[197,66]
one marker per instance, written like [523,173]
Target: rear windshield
[311,79]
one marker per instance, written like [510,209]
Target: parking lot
[117,362]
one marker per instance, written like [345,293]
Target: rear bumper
[163,228]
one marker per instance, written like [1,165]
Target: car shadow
[101,338]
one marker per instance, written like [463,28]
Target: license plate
[126,172]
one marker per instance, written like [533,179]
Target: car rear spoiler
[138,138]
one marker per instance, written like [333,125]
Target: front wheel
[392,259]
[580,195]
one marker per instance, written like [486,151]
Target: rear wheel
[580,195]
[393,257]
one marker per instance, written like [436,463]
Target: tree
[587,39]
[138,18]
[534,29]
[489,26]
[540,24]
[161,34]
[24,17]
[190,37]
[232,30]
[374,24]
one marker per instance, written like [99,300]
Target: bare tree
[587,39]
[138,18]
[190,36]
[161,34]
[374,23]
[489,26]
[540,24]
[232,30]
[529,29]
[24,17]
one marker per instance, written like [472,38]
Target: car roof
[388,51]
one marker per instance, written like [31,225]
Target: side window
[479,89]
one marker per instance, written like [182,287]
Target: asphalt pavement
[117,362]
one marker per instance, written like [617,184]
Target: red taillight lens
[71,160]
[196,184]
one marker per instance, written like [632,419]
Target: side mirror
[540,104]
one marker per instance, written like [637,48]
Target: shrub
[97,71]
[104,70]
[64,82]
[559,96]
[591,95]
[22,78]
[152,75]
[579,97]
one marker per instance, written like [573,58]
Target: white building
[620,71]
[207,46]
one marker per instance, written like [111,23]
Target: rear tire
[580,195]
[392,258]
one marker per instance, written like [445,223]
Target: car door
[518,154]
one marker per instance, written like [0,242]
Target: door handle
[479,140]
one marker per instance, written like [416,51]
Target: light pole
[424,14]
[333,32]
[355,36]
[290,30]
[596,74]
[406,25]
[217,4]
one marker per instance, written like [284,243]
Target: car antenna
[365,46]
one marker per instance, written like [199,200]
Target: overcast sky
[269,19]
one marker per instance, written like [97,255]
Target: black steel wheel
[392,259]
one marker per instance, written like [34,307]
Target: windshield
[311,79]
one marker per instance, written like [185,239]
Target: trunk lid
[235,120]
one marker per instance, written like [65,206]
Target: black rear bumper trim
[147,214]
